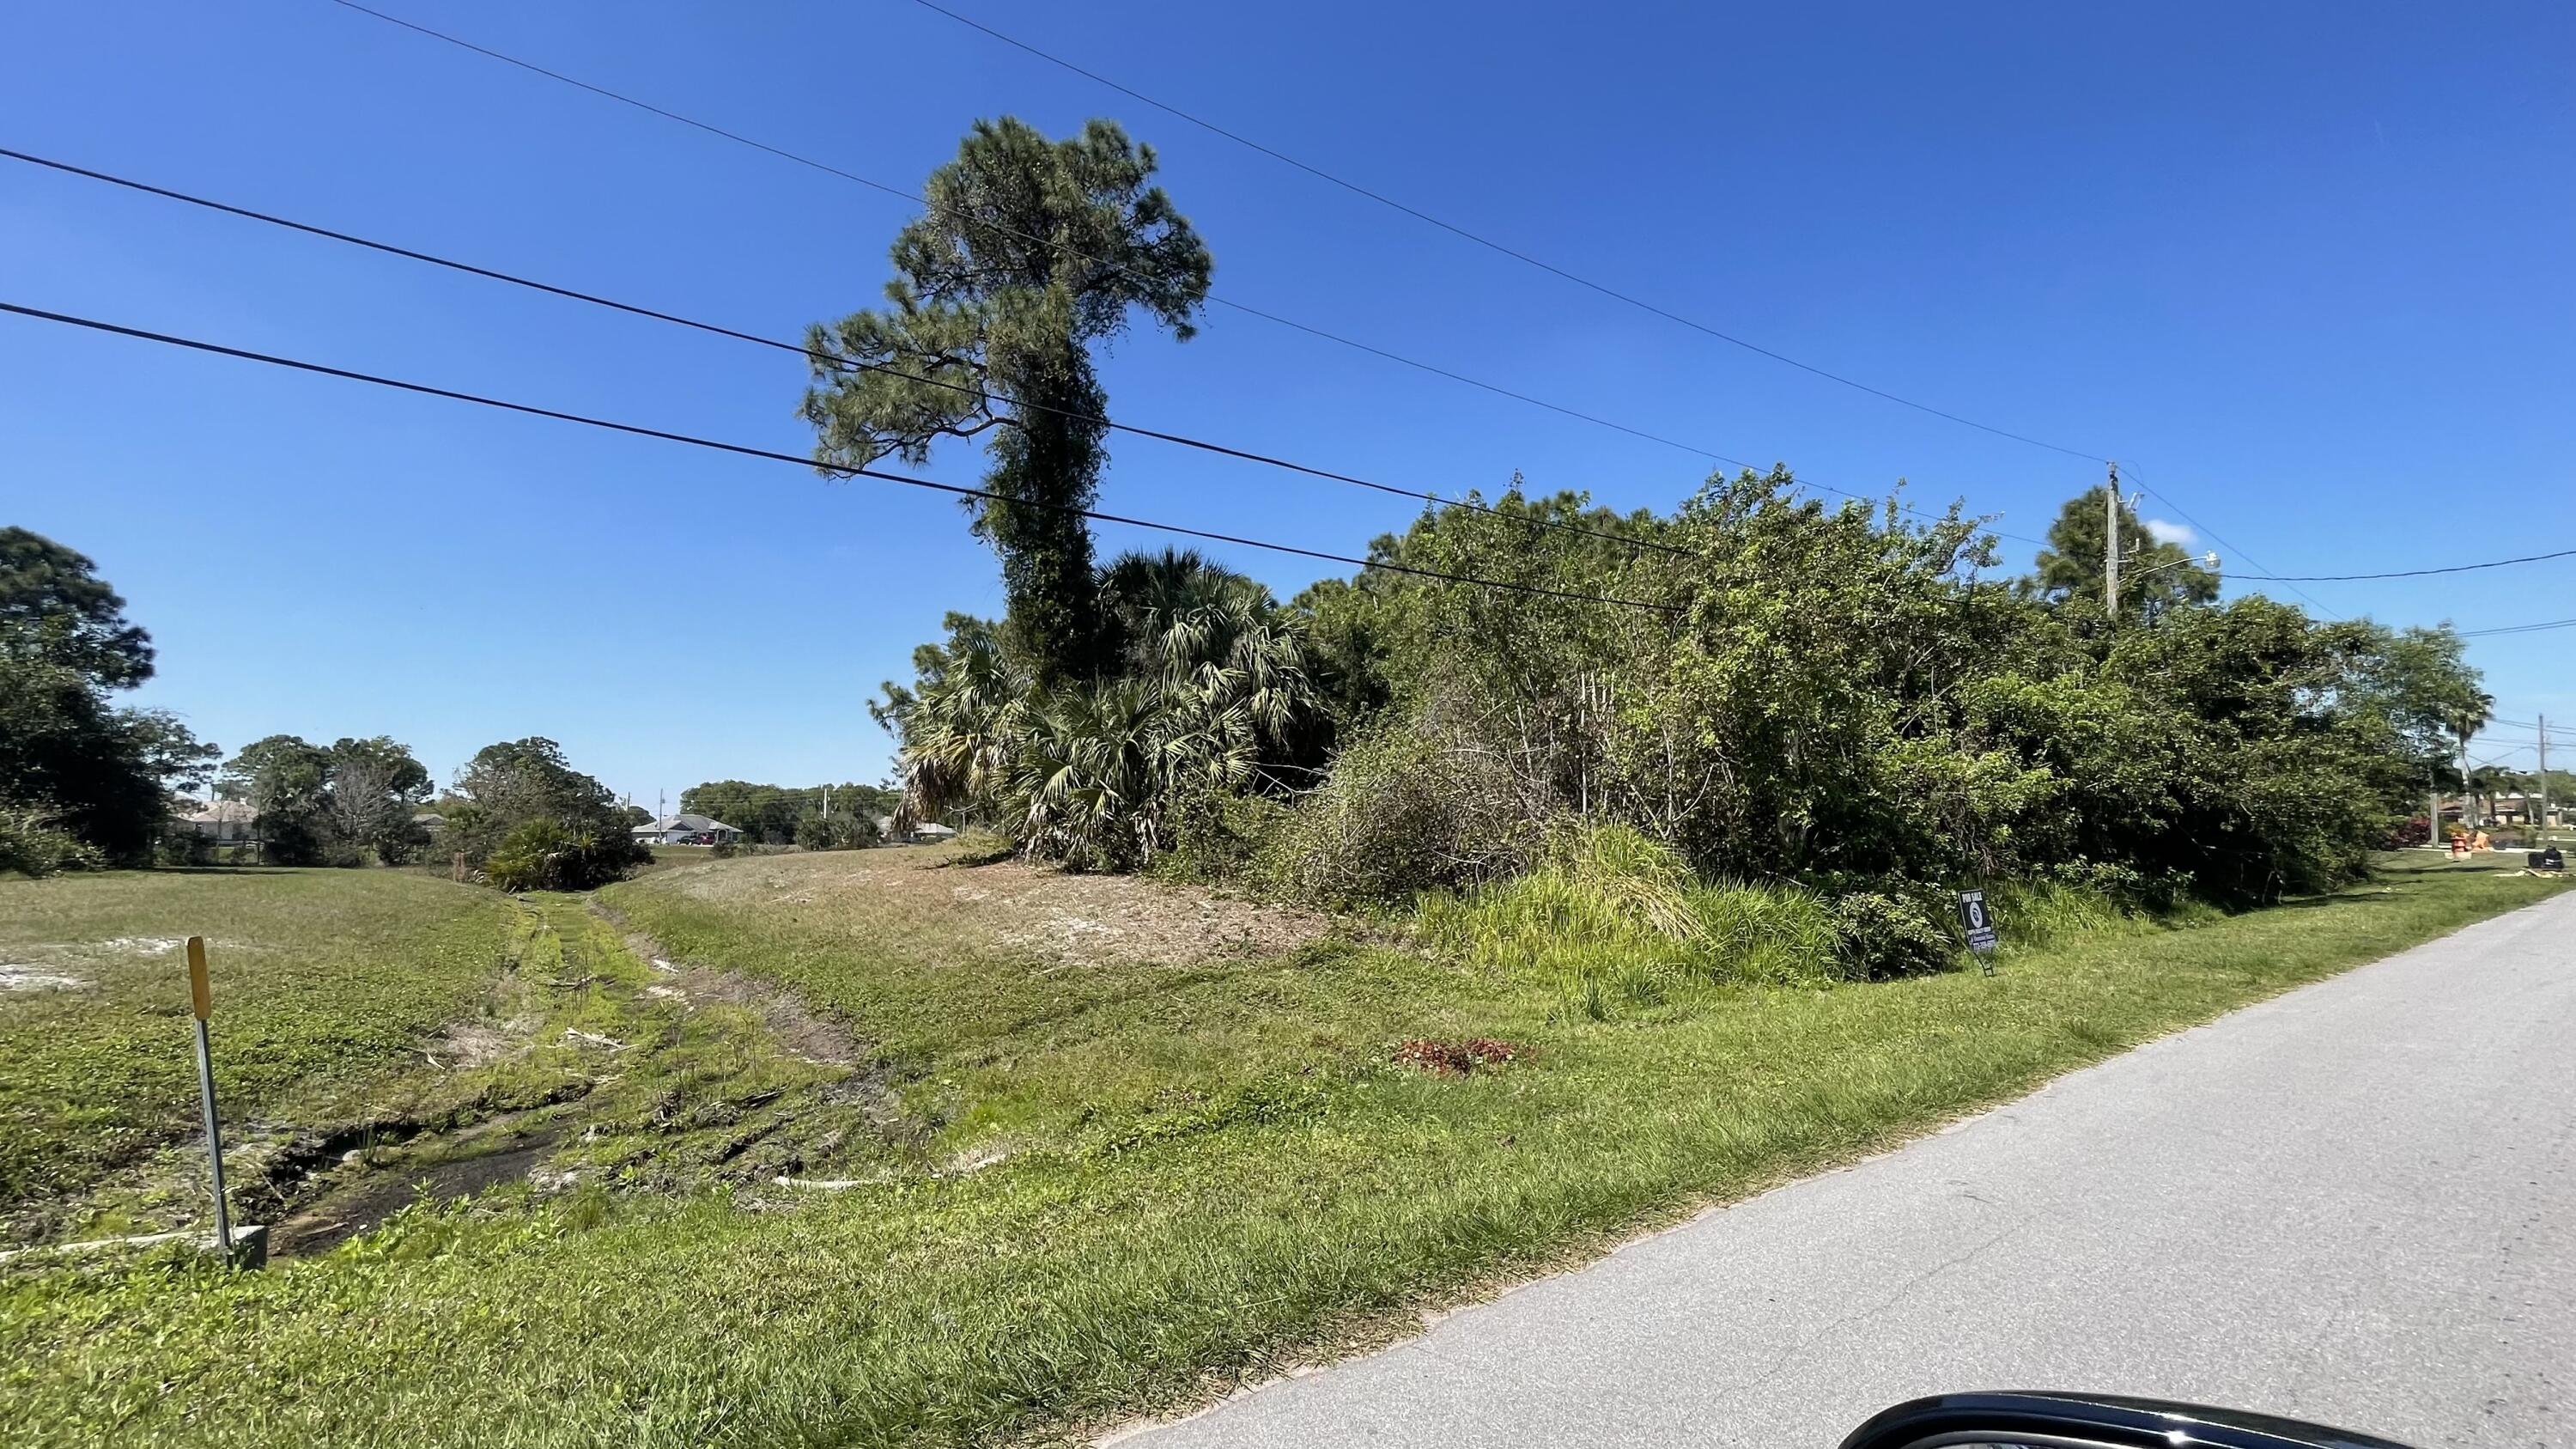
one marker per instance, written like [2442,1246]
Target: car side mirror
[2088,1421]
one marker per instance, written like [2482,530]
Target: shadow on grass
[224,870]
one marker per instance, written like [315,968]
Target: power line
[747,451]
[2412,573]
[835,358]
[2518,629]
[1212,298]
[1504,249]
[2177,507]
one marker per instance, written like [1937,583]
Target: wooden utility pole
[2111,545]
[2540,829]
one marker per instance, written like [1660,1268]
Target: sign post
[201,996]
[1980,925]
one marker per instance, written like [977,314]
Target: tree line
[818,817]
[1779,690]
[87,784]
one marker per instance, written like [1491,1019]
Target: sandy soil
[1050,915]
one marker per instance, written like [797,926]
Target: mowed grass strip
[1099,1273]
[320,978]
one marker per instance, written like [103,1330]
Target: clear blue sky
[2305,266]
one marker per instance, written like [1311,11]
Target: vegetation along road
[2355,1203]
[927,1147]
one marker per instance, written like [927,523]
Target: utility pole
[2467,826]
[2540,830]
[2111,545]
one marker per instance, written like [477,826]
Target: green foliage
[55,607]
[772,814]
[1211,692]
[1899,931]
[331,805]
[1030,254]
[2155,576]
[103,774]
[1410,805]
[836,831]
[546,855]
[1613,922]
[1839,697]
[33,843]
[522,804]
[100,774]
[1217,836]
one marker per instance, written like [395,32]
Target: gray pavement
[2355,1203]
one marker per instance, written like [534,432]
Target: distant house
[924,832]
[686,830]
[225,822]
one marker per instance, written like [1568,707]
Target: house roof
[689,823]
[225,812]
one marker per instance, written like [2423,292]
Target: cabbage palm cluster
[1210,690]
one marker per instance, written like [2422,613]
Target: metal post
[2111,545]
[201,997]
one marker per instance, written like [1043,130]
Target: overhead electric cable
[838,359]
[1505,249]
[748,451]
[1213,298]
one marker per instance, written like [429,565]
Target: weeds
[1613,922]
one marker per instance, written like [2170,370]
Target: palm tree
[958,722]
[1222,655]
[1212,693]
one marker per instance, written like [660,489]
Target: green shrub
[838,831]
[1408,807]
[32,843]
[544,855]
[1218,836]
[1904,929]
[1615,921]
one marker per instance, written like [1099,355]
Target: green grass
[320,977]
[1213,1166]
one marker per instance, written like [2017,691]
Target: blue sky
[2303,268]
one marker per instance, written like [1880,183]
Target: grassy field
[324,980]
[1129,1145]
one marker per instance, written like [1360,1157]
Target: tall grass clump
[2036,915]
[1613,920]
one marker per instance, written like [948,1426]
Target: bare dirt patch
[797,1027]
[38,978]
[1053,916]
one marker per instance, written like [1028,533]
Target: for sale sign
[1980,925]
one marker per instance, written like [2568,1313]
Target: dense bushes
[1411,805]
[1840,700]
[32,843]
[528,821]
[544,855]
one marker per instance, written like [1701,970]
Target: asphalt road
[2355,1204]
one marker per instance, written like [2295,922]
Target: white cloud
[2168,532]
